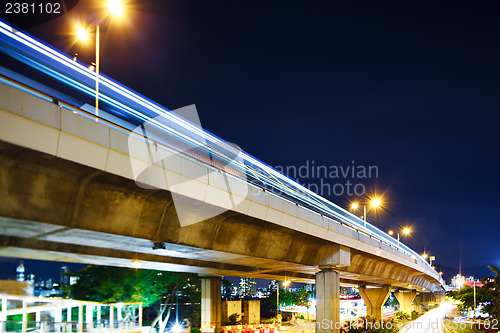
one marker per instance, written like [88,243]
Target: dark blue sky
[410,87]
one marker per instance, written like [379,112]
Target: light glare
[82,34]
[115,7]
[176,328]
[375,202]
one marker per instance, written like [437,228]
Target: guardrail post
[80,319]
[111,317]
[25,317]
[140,314]
[3,315]
[89,309]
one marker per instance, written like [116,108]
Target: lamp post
[474,300]
[285,284]
[374,203]
[406,231]
[115,8]
[277,300]
[97,53]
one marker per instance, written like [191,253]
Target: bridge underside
[54,209]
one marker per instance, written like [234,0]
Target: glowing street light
[116,9]
[82,33]
[285,284]
[406,231]
[177,328]
[374,203]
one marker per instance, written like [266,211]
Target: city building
[20,272]
[64,275]
[273,284]
[248,287]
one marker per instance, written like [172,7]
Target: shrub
[233,319]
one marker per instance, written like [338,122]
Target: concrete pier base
[374,299]
[211,304]
[405,299]
[327,301]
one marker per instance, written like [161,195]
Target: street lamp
[373,203]
[406,231]
[285,284]
[475,306]
[115,8]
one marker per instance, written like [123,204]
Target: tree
[153,288]
[268,306]
[234,319]
[286,297]
[488,295]
[301,297]
[492,282]
[492,289]
[466,297]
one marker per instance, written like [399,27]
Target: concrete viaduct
[69,193]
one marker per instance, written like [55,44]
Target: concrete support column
[211,303]
[374,299]
[405,299]
[327,300]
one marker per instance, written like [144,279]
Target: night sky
[409,87]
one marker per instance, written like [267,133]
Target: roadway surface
[431,322]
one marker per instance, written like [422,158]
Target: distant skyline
[412,88]
[41,268]
[51,269]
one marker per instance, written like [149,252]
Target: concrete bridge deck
[70,192]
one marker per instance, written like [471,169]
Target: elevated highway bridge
[139,183]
